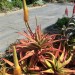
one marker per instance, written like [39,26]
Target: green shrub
[39,2]
[31,1]
[5,5]
[17,3]
[47,0]
[62,21]
[35,2]
[60,1]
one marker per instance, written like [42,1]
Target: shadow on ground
[52,29]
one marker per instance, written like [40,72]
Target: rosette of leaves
[37,40]
[34,46]
[16,69]
[57,66]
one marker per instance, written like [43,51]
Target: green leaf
[62,56]
[48,63]
[48,71]
[58,65]
[53,61]
[67,61]
[16,64]
[53,57]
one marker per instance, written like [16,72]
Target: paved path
[10,24]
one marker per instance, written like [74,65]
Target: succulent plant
[37,54]
[56,66]
[15,65]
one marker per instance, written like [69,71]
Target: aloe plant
[56,66]
[38,49]
[32,48]
[3,70]
[37,53]
[15,65]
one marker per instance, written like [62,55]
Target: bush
[31,1]
[62,21]
[5,5]
[39,2]
[17,3]
[47,0]
[60,1]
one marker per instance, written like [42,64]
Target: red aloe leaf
[36,68]
[25,45]
[51,49]
[38,32]
[48,43]
[10,51]
[22,41]
[54,49]
[41,51]
[41,59]
[53,36]
[7,61]
[27,36]
[45,36]
[36,36]
[32,61]
[21,45]
[66,11]
[58,51]
[44,43]
[57,54]
[58,40]
[32,46]
[30,53]
[66,53]
[21,56]
[59,46]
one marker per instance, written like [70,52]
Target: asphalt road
[12,23]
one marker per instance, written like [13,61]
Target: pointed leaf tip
[74,9]
[66,11]
[8,62]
